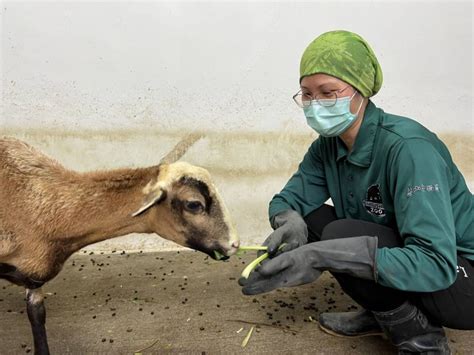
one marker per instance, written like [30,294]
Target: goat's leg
[37,316]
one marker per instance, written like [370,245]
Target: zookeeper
[400,237]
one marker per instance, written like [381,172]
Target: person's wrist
[283,217]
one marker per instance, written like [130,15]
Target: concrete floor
[180,302]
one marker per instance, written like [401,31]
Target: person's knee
[337,229]
[317,220]
[346,228]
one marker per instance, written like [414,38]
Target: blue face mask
[331,121]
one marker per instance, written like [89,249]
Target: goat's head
[183,205]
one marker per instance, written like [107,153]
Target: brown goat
[48,212]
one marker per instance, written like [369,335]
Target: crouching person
[400,237]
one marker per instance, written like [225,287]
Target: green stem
[252,247]
[253,265]
[250,267]
[246,340]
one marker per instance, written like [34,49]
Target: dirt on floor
[181,303]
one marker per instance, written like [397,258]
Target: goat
[49,212]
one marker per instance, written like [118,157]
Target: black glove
[289,228]
[354,256]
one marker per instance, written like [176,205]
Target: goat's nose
[235,244]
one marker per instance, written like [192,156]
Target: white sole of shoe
[368,334]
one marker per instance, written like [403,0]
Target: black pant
[452,307]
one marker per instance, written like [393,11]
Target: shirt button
[350,177]
[351,195]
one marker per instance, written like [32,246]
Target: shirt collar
[361,153]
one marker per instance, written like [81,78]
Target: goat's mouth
[218,256]
[217,253]
[214,251]
[224,252]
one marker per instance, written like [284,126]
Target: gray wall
[103,85]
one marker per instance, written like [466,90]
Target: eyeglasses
[324,99]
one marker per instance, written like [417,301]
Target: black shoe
[411,331]
[350,324]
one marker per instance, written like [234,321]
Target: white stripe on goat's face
[190,210]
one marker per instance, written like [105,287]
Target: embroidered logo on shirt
[373,202]
[430,188]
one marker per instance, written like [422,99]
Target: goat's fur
[48,212]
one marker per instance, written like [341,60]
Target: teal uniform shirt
[399,174]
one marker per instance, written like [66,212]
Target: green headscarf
[346,56]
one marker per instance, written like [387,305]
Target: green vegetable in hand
[252,247]
[250,267]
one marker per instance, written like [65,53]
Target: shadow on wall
[248,168]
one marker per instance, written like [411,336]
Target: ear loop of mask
[361,102]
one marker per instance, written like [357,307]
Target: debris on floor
[180,302]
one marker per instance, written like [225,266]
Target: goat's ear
[153,197]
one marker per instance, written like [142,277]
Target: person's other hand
[289,228]
[286,270]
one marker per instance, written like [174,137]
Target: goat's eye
[194,206]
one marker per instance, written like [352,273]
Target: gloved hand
[289,228]
[355,256]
